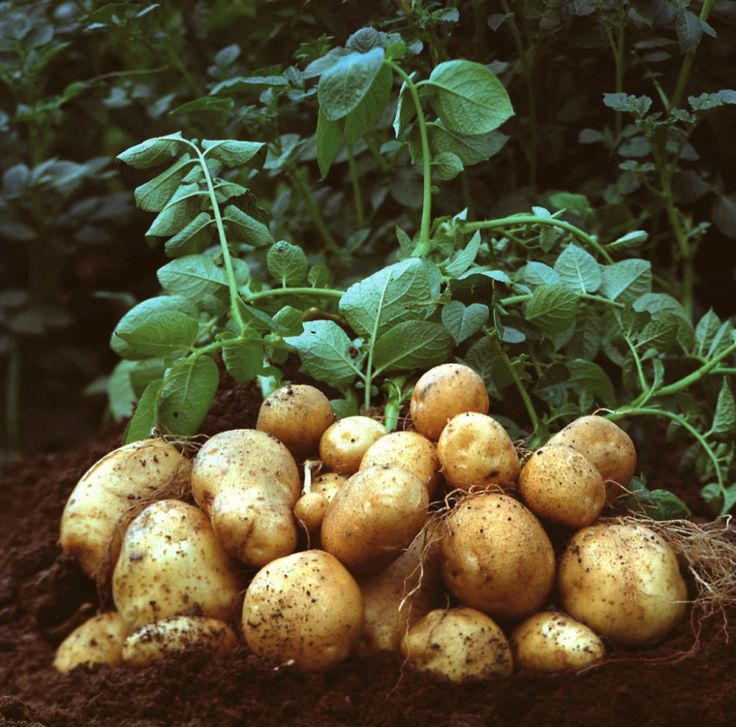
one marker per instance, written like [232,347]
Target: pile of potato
[361,550]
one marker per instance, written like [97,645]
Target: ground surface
[43,596]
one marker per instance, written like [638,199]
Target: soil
[43,596]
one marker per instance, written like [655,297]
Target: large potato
[444,392]
[304,607]
[97,641]
[496,557]
[551,641]
[110,493]
[606,446]
[559,484]
[623,581]
[408,450]
[344,443]
[172,565]
[297,415]
[248,483]
[475,451]
[374,516]
[458,643]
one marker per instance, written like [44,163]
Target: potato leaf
[187,394]
[412,345]
[329,142]
[552,308]
[463,321]
[578,270]
[153,152]
[146,414]
[287,263]
[346,82]
[192,276]
[235,153]
[155,194]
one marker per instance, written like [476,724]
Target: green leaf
[469,98]
[193,238]
[146,414]
[577,204]
[627,280]
[247,228]
[589,334]
[462,259]
[463,321]
[535,273]
[363,118]
[689,30]
[329,141]
[156,327]
[656,504]
[578,270]
[471,149]
[204,103]
[234,153]
[724,214]
[178,212]
[287,263]
[629,240]
[589,376]
[412,345]
[120,391]
[154,195]
[447,165]
[552,308]
[153,152]
[405,109]
[480,357]
[192,277]
[344,84]
[327,354]
[724,421]
[243,359]
[142,373]
[712,336]
[187,394]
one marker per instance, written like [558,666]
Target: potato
[476,451]
[248,483]
[110,493]
[298,416]
[310,510]
[304,608]
[606,446]
[551,641]
[97,641]
[172,565]
[458,643]
[374,516]
[156,641]
[409,450]
[496,557]
[444,392]
[623,581]
[560,485]
[344,443]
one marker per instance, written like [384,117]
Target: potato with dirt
[444,392]
[111,493]
[311,507]
[99,640]
[248,483]
[344,443]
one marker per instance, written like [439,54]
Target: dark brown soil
[43,596]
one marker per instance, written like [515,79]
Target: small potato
[328,484]
[97,641]
[110,493]
[171,565]
[409,450]
[606,446]
[311,506]
[560,485]
[496,557]
[298,416]
[156,641]
[476,451]
[458,643]
[374,516]
[623,581]
[444,392]
[344,443]
[305,607]
[551,641]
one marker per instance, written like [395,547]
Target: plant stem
[329,292]
[687,64]
[313,211]
[423,246]
[357,194]
[371,347]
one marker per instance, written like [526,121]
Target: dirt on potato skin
[43,596]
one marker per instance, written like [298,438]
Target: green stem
[423,246]
[687,64]
[357,193]
[684,250]
[371,347]
[329,292]
[313,211]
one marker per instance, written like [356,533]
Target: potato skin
[156,641]
[552,641]
[560,485]
[344,443]
[305,607]
[297,415]
[475,451]
[110,493]
[409,450]
[444,392]
[606,446]
[374,515]
[496,557]
[97,641]
[623,581]
[458,643]
[171,565]
[311,507]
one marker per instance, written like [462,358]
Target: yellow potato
[551,641]
[97,641]
[344,443]
[475,451]
[458,643]
[110,494]
[311,506]
[304,608]
[171,565]
[560,485]
[444,392]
